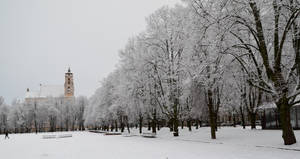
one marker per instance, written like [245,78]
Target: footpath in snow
[231,143]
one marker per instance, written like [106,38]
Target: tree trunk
[212,125]
[153,123]
[216,121]
[128,128]
[263,120]
[122,127]
[285,119]
[234,121]
[35,125]
[212,114]
[141,124]
[73,126]
[149,125]
[112,127]
[82,125]
[176,131]
[116,125]
[171,125]
[242,117]
[176,121]
[189,124]
[182,124]
[153,126]
[253,120]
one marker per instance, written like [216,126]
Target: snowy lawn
[231,143]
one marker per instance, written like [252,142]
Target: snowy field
[231,143]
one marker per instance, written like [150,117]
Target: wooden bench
[149,135]
[98,131]
[64,135]
[56,136]
[113,133]
[49,136]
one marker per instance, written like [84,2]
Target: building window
[69,81]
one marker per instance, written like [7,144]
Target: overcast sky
[40,39]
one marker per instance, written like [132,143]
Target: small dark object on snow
[6,135]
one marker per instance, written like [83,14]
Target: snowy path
[236,144]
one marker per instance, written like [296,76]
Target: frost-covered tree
[202,61]
[81,104]
[273,40]
[4,112]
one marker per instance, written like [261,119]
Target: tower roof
[69,70]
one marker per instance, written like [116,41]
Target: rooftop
[46,91]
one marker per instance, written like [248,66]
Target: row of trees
[193,63]
[40,115]
[207,57]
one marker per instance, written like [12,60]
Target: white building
[52,91]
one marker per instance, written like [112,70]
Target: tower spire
[69,70]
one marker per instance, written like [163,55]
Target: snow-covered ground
[231,143]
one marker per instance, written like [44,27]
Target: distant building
[52,91]
[59,96]
[270,117]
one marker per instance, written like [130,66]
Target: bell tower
[69,85]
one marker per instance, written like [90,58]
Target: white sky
[40,39]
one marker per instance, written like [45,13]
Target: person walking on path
[6,134]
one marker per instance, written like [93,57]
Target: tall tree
[262,19]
